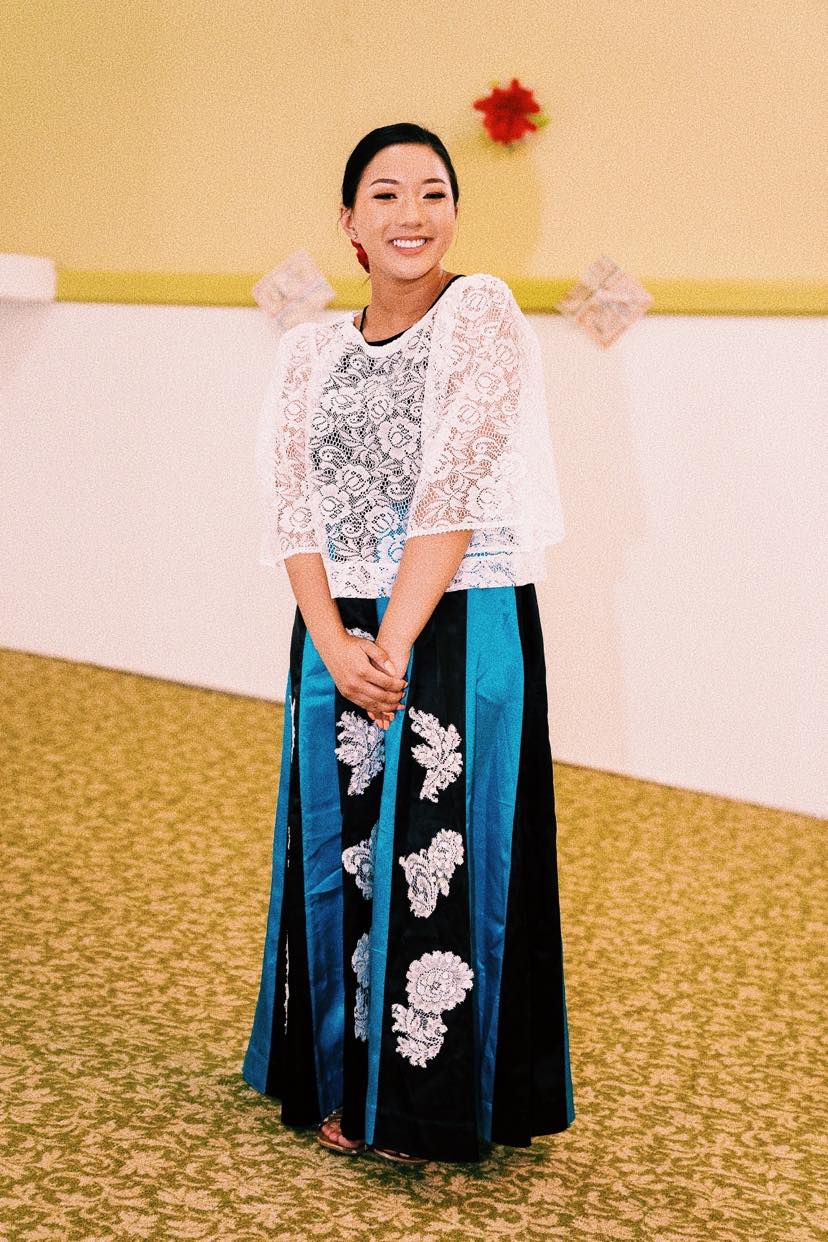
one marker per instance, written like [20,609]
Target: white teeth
[410,244]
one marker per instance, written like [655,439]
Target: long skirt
[413,959]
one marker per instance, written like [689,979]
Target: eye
[433,194]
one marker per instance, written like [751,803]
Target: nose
[411,214]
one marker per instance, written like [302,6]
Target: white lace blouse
[444,427]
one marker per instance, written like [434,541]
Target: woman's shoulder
[483,289]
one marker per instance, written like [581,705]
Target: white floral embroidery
[438,755]
[292,723]
[435,982]
[422,883]
[358,861]
[354,629]
[362,747]
[438,981]
[361,1014]
[421,1034]
[445,853]
[428,872]
[360,960]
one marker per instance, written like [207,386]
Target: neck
[396,303]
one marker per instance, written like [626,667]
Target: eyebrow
[391,181]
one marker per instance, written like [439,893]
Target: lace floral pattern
[358,861]
[428,871]
[364,448]
[435,983]
[445,428]
[439,755]
[362,748]
[360,961]
[354,629]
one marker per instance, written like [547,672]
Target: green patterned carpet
[137,822]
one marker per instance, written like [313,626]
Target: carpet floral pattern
[135,870]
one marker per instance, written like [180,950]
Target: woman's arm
[351,661]
[310,587]
[427,566]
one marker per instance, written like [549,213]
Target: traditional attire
[413,959]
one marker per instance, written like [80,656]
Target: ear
[345,219]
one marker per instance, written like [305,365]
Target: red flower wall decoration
[505,112]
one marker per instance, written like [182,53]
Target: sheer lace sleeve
[280,454]
[487,462]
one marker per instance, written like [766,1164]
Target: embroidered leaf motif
[358,861]
[362,747]
[420,1034]
[360,961]
[435,982]
[438,754]
[422,884]
[428,871]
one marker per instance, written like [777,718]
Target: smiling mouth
[408,243]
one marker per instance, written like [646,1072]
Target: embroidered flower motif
[360,960]
[422,884]
[421,1034]
[362,747]
[445,853]
[438,755]
[428,872]
[435,982]
[358,861]
[438,981]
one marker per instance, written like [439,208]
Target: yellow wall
[211,136]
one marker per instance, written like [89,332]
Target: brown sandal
[330,1144]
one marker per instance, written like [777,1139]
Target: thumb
[384,659]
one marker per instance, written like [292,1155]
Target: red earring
[361,255]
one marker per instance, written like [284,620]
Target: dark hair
[388,136]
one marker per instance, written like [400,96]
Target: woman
[412,989]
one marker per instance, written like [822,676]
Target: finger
[388,668]
[378,655]
[383,661]
[383,681]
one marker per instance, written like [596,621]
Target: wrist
[393,636]
[327,642]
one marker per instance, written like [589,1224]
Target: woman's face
[404,192]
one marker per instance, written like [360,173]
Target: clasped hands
[371,673]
